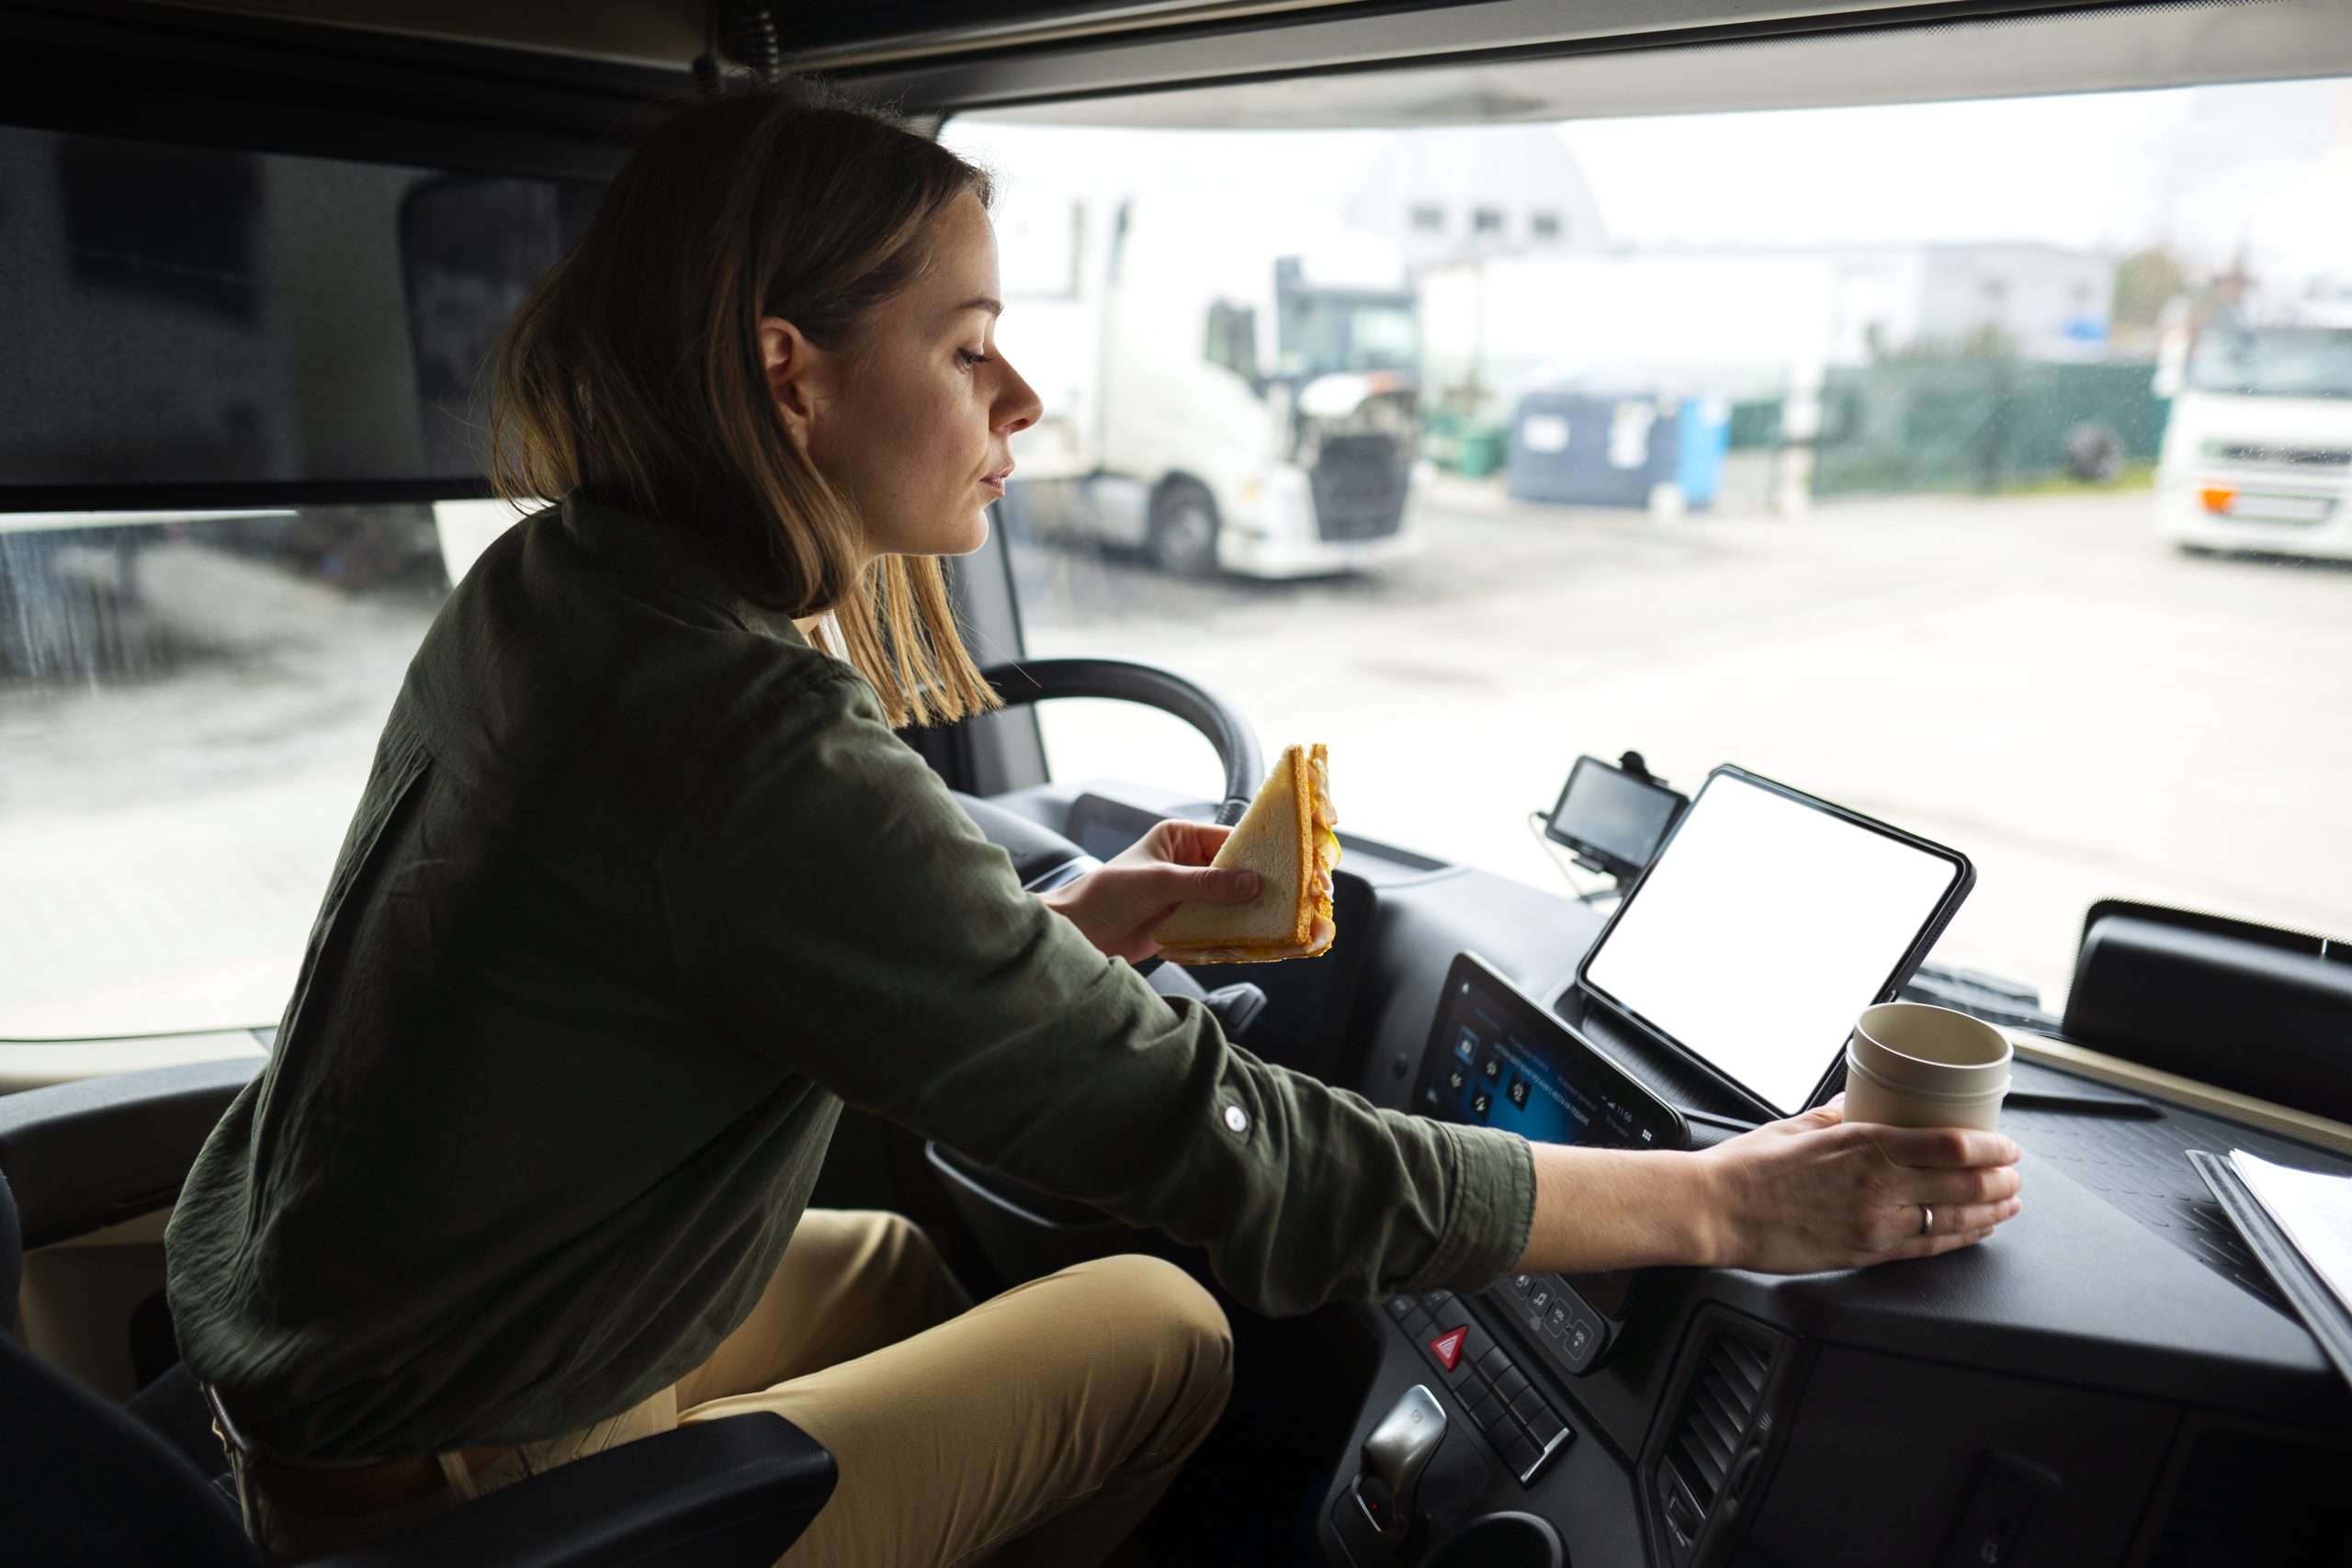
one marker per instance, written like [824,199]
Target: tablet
[1770,919]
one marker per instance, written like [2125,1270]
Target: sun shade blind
[203,317]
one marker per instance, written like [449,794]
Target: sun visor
[197,322]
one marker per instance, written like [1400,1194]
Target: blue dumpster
[1614,446]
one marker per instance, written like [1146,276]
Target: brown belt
[341,1489]
[359,1488]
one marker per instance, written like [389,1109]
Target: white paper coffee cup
[1910,1065]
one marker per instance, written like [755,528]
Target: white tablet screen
[1762,929]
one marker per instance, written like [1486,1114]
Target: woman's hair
[632,373]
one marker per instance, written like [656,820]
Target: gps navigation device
[1768,921]
[1611,818]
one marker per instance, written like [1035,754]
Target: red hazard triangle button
[1447,1347]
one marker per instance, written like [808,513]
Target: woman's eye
[969,358]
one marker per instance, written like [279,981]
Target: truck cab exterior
[2258,453]
[1239,393]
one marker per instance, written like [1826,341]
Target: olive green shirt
[642,888]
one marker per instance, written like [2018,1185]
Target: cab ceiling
[2109,49]
[480,79]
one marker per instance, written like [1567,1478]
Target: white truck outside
[1225,389]
[2257,454]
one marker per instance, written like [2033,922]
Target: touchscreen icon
[1466,1047]
[1492,1069]
[1480,1104]
[1517,1091]
[1457,1081]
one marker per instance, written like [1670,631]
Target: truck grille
[2298,456]
[1359,483]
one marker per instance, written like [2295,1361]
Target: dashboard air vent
[2246,1497]
[1716,1415]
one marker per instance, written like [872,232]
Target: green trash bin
[1480,451]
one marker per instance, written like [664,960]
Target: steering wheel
[1045,859]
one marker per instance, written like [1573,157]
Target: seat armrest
[100,1151]
[727,1493]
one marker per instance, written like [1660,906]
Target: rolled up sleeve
[846,919]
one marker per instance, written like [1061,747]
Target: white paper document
[2315,1212]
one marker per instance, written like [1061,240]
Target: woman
[642,888]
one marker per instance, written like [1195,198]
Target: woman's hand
[1817,1192]
[1793,1197]
[1120,904]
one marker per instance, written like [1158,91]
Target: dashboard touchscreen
[1498,1060]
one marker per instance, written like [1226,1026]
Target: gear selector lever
[1394,1457]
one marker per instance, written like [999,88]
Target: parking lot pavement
[2035,681]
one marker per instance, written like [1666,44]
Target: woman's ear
[797,372]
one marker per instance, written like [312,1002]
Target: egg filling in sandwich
[1289,839]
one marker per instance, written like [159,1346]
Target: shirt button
[1237,1119]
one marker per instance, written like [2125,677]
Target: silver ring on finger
[1927,1219]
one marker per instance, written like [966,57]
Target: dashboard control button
[1523,1457]
[1556,1321]
[1522,1283]
[1510,1383]
[1494,1364]
[1544,1427]
[1447,1347]
[1490,1413]
[1543,1454]
[1419,1325]
[1402,1307]
[1539,1300]
[1436,1302]
[1527,1402]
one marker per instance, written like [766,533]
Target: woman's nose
[1018,407]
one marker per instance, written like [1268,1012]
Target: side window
[1233,338]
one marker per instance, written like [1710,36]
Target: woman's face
[912,422]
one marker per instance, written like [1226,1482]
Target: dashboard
[2096,1384]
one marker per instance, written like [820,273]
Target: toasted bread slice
[1287,839]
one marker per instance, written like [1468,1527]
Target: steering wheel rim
[1124,680]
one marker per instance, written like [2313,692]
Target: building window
[1543,225]
[1427,219]
[1486,220]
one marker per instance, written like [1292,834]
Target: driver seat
[87,1481]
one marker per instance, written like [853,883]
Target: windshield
[1825,442]
[2274,362]
[1324,333]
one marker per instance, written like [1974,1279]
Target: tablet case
[2328,1319]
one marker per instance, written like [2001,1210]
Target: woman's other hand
[1815,1192]
[1120,904]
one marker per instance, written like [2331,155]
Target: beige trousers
[1036,1428]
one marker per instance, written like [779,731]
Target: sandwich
[1289,839]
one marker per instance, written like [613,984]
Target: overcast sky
[2209,169]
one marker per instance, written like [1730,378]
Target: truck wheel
[1184,530]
